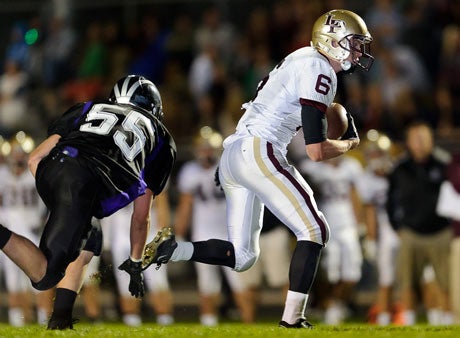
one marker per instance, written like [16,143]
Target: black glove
[351,131]
[216,178]
[136,282]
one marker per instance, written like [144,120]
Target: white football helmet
[340,32]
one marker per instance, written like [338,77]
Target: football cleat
[61,323]
[160,249]
[301,323]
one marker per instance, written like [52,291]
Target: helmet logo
[333,24]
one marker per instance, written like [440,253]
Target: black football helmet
[140,92]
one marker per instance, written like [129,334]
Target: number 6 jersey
[274,113]
[127,148]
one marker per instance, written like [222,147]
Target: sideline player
[159,292]
[99,157]
[335,181]
[21,209]
[254,171]
[202,209]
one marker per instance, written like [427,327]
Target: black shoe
[61,323]
[301,323]
[160,249]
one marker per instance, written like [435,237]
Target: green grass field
[266,330]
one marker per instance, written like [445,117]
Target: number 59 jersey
[127,148]
[274,114]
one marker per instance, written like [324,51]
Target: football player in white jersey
[159,294]
[201,211]
[335,182]
[22,209]
[254,171]
[373,190]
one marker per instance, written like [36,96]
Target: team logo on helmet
[334,23]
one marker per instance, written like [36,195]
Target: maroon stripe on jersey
[318,105]
[299,188]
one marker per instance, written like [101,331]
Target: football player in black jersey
[99,157]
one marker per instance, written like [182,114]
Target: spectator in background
[385,19]
[425,237]
[91,67]
[448,81]
[272,267]
[59,45]
[158,289]
[335,182]
[179,44]
[150,60]
[17,48]
[202,209]
[13,99]
[213,29]
[202,70]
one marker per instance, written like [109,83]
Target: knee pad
[51,278]
[95,239]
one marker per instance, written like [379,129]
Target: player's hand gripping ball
[337,121]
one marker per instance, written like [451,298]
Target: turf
[266,330]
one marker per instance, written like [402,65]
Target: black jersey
[127,148]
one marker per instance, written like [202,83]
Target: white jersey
[21,208]
[334,183]
[373,189]
[274,114]
[209,207]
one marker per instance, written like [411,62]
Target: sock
[447,318]
[5,235]
[384,318]
[208,320]
[409,317]
[215,252]
[16,317]
[42,316]
[165,319]
[294,306]
[183,252]
[434,316]
[132,319]
[304,264]
[64,302]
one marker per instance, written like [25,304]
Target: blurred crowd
[206,66]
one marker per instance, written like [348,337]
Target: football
[337,122]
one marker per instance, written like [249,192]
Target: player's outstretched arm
[140,223]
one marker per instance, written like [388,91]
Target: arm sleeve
[160,167]
[314,122]
[67,121]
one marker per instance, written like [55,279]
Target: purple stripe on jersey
[114,203]
[83,111]
[152,156]
[154,153]
[299,188]
[320,106]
